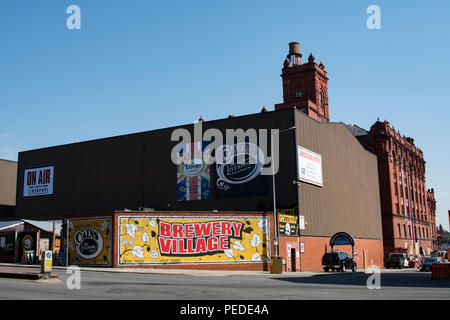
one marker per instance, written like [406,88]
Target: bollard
[46,262]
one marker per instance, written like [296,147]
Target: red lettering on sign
[223,243]
[213,244]
[202,230]
[181,249]
[177,230]
[237,226]
[216,228]
[47,176]
[188,230]
[164,229]
[31,178]
[201,245]
[190,245]
[174,246]
[165,245]
[226,228]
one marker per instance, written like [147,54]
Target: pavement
[14,271]
[32,272]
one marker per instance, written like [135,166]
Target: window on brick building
[409,229]
[427,234]
[404,230]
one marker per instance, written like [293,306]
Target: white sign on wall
[38,181]
[302,222]
[309,166]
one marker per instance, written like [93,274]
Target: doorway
[293,262]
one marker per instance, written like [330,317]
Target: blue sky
[142,65]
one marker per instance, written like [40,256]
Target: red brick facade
[368,252]
[408,221]
[305,86]
[431,202]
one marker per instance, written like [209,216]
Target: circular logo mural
[89,243]
[238,163]
[27,242]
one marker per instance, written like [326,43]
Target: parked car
[396,260]
[428,262]
[339,261]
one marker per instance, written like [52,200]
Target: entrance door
[293,266]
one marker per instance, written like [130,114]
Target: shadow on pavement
[403,279]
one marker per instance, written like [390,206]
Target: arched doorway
[342,238]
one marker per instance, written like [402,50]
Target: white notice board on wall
[309,166]
[38,181]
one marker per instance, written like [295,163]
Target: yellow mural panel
[171,240]
[89,241]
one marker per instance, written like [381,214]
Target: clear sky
[141,65]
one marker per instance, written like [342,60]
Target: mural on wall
[89,241]
[193,175]
[171,240]
[237,171]
[27,243]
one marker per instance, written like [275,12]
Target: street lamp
[275,227]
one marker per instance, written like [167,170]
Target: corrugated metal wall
[136,170]
[349,199]
[8,175]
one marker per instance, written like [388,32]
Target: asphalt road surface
[405,285]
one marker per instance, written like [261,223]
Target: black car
[338,260]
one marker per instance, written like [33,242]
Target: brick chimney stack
[305,86]
[294,57]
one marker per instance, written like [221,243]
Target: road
[404,285]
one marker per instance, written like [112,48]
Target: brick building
[431,204]
[8,179]
[408,209]
[305,86]
[127,203]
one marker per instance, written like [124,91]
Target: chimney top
[294,47]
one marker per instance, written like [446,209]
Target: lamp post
[275,226]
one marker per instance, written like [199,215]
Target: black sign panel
[288,225]
[238,171]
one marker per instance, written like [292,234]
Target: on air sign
[38,181]
[309,166]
